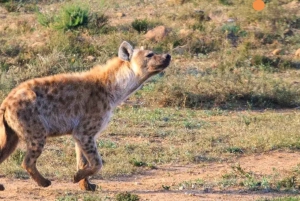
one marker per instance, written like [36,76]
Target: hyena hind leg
[34,150]
[82,163]
[88,148]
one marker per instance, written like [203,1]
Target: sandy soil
[149,185]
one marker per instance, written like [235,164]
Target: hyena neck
[125,83]
[118,78]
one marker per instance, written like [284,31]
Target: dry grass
[201,110]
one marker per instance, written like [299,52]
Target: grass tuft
[126,196]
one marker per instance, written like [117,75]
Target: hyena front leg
[88,148]
[34,150]
[82,163]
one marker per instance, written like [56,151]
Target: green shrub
[71,17]
[140,25]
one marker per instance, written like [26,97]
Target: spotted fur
[78,104]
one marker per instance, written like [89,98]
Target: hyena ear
[125,51]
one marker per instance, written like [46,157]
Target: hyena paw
[86,185]
[45,183]
[76,178]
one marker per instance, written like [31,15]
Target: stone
[297,53]
[180,49]
[120,15]
[37,45]
[90,58]
[277,51]
[157,34]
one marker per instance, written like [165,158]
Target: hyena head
[144,63]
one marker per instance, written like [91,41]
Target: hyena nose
[167,56]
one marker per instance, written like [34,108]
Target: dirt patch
[149,184]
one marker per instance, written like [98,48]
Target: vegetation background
[232,90]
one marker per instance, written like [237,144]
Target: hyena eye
[150,54]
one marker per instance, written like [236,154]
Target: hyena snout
[160,62]
[167,59]
[167,56]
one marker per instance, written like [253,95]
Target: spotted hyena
[79,104]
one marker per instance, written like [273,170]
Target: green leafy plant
[71,17]
[140,25]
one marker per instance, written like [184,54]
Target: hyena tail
[8,140]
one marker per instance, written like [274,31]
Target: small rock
[2,187]
[180,49]
[180,188]
[37,45]
[230,20]
[297,53]
[119,15]
[137,183]
[157,34]
[90,58]
[277,51]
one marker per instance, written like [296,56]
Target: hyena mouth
[164,63]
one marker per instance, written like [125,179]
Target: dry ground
[149,184]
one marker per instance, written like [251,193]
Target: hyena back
[79,104]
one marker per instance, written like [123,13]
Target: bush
[140,25]
[71,17]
